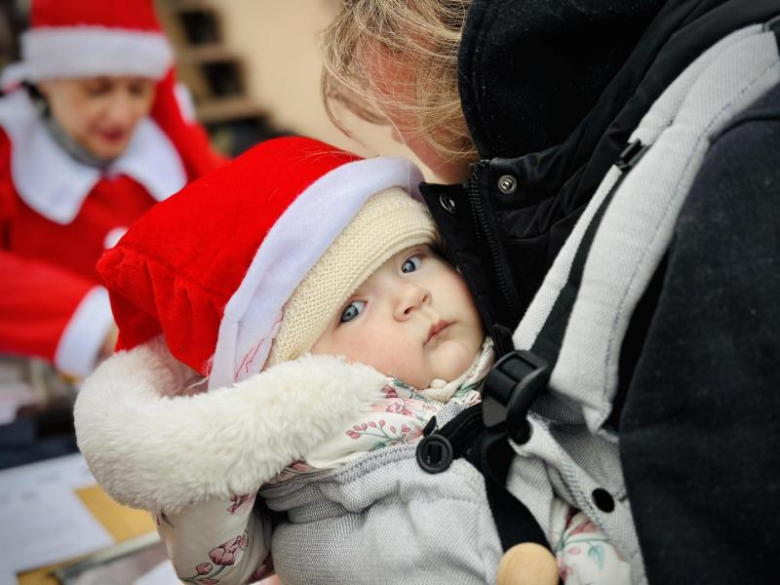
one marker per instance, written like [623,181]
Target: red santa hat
[213,267]
[91,38]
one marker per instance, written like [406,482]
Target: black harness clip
[510,388]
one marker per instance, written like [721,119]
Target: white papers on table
[42,519]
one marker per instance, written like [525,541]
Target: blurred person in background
[91,136]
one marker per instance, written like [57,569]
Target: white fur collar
[154,450]
[55,185]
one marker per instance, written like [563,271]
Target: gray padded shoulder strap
[637,226]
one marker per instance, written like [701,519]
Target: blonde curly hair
[418,41]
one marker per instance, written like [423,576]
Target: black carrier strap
[481,433]
[492,455]
[489,451]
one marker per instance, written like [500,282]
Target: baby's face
[413,319]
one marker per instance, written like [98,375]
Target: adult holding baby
[670,391]
[544,98]
[292,320]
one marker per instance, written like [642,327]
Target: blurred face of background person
[99,113]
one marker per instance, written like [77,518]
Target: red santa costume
[57,214]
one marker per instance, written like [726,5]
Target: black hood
[568,124]
[531,69]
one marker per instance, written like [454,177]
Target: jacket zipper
[479,216]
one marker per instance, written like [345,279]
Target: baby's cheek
[393,358]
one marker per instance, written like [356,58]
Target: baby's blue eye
[412,264]
[351,311]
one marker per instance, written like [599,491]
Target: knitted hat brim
[295,243]
[389,222]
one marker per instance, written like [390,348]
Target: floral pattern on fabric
[241,504]
[221,556]
[582,551]
[397,417]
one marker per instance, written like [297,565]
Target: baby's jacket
[197,461]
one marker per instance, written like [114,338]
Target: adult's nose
[410,297]
[121,110]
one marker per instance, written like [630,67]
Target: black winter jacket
[551,90]
[546,144]
[700,429]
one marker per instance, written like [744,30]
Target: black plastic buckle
[630,155]
[510,388]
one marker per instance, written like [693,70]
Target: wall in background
[277,41]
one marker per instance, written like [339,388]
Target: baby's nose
[410,298]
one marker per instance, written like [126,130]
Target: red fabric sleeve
[37,301]
[7,207]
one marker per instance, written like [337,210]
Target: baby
[256,276]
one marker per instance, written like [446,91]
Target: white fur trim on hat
[89,51]
[151,449]
[292,246]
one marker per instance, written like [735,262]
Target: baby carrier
[556,395]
